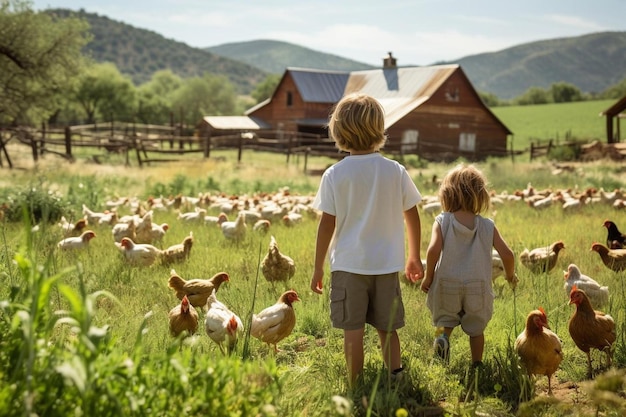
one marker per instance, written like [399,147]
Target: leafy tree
[104,92]
[534,95]
[565,93]
[616,91]
[39,56]
[490,99]
[203,96]
[265,88]
[155,97]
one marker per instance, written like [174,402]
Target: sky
[417,32]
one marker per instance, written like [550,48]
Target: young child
[458,261]
[365,201]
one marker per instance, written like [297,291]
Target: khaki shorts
[358,299]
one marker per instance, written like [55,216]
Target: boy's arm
[325,231]
[414,270]
[507,256]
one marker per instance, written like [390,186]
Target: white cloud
[574,22]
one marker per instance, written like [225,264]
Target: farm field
[112,354]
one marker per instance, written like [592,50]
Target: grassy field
[559,122]
[86,334]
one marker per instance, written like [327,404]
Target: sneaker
[442,347]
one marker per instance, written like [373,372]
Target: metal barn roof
[236,123]
[319,86]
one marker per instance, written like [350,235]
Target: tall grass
[84,334]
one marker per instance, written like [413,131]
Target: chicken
[291,219]
[589,328]
[543,259]
[193,216]
[138,254]
[538,347]
[197,290]
[221,324]
[93,217]
[179,252]
[122,230]
[183,317]
[262,226]
[598,294]
[72,229]
[614,259]
[614,238]
[77,242]
[216,220]
[276,266]
[235,230]
[276,322]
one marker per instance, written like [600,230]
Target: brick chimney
[389,61]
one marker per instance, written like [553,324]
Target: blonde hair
[357,123]
[464,188]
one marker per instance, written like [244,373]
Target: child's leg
[390,345]
[353,350]
[477,345]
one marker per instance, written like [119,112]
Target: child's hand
[426,283]
[513,281]
[317,281]
[414,270]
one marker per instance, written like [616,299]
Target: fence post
[240,151]
[532,149]
[68,142]
[43,138]
[207,143]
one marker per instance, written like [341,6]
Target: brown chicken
[589,328]
[614,259]
[538,347]
[197,290]
[541,260]
[276,266]
[183,317]
[276,322]
[179,252]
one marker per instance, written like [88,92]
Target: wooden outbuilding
[432,111]
[614,116]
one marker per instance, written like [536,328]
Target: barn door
[467,142]
[409,141]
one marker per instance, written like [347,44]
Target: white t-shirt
[368,195]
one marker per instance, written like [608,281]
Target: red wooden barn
[432,111]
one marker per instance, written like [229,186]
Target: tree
[39,57]
[265,88]
[155,97]
[104,93]
[616,91]
[565,93]
[490,99]
[534,95]
[203,96]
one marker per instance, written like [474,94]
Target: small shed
[614,116]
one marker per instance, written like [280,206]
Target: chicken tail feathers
[177,283]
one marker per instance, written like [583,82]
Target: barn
[432,111]
[614,116]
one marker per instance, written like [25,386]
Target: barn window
[467,142]
[289,99]
[409,141]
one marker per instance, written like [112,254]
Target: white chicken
[262,226]
[77,242]
[221,324]
[93,217]
[291,219]
[138,254]
[276,322]
[72,229]
[193,216]
[235,230]
[216,220]
[597,294]
[122,230]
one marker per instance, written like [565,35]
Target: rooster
[197,290]
[235,230]
[538,347]
[543,259]
[614,238]
[221,324]
[276,266]
[179,252]
[183,317]
[276,322]
[138,254]
[589,328]
[598,294]
[614,259]
[77,242]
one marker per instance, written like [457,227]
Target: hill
[139,53]
[275,56]
[590,62]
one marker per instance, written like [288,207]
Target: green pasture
[85,334]
[558,122]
